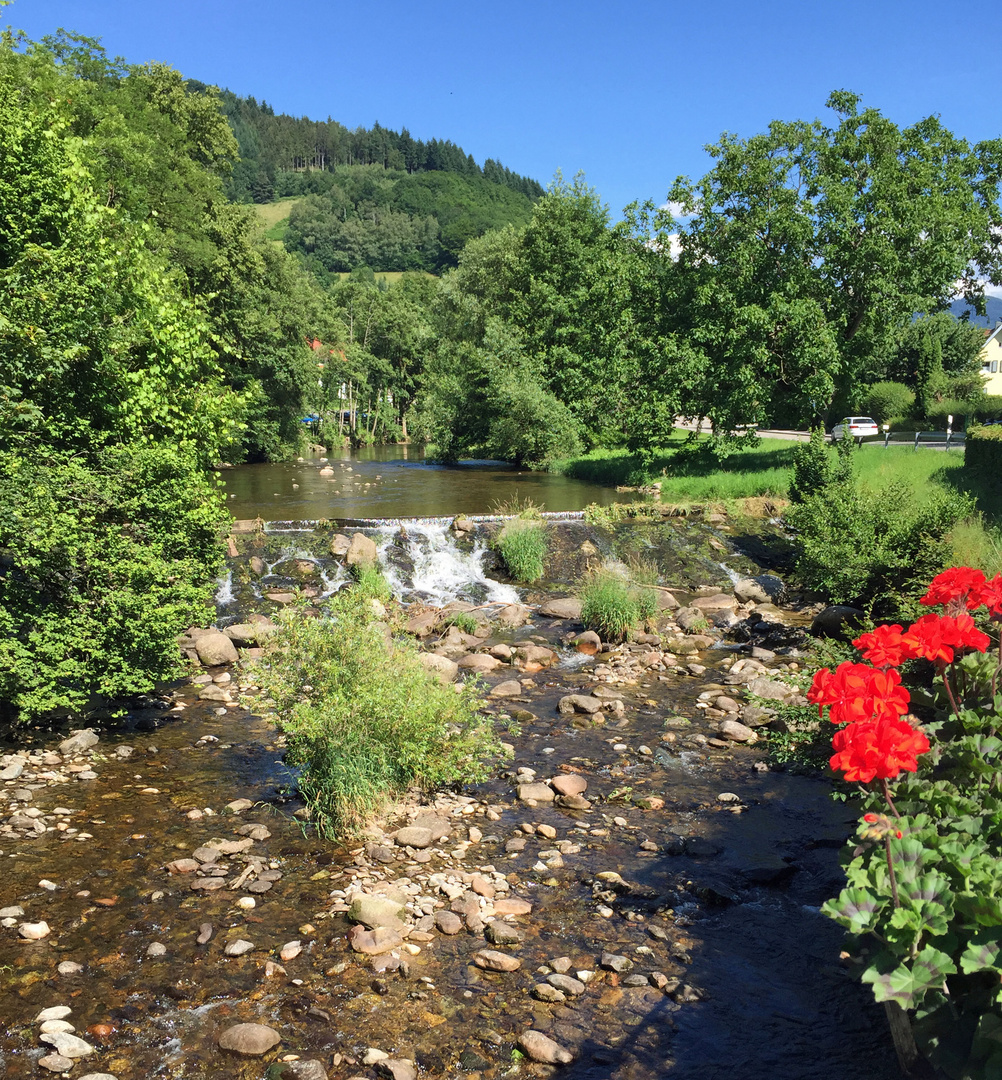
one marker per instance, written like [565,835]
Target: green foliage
[816,467]
[366,721]
[786,276]
[370,582]
[869,547]
[462,620]
[103,563]
[522,545]
[930,939]
[112,400]
[885,401]
[612,604]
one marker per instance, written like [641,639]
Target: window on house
[995,366]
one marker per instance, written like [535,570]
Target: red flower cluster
[878,749]
[876,743]
[857,693]
[933,637]
[963,586]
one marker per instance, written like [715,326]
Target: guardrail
[935,439]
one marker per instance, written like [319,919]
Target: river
[702,957]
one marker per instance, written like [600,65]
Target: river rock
[249,634]
[397,1069]
[508,689]
[239,947]
[375,911]
[490,960]
[56,1063]
[69,967]
[251,1040]
[569,784]
[534,657]
[615,962]
[339,544]
[479,662]
[448,922]
[157,948]
[214,693]
[773,690]
[461,526]
[34,931]
[512,616]
[717,602]
[578,703]
[54,1012]
[215,648]
[542,1048]
[499,932]
[568,607]
[71,1046]
[838,621]
[512,905]
[588,643]
[310,1069]
[98,1076]
[736,732]
[78,741]
[440,828]
[413,836]
[545,992]
[374,942]
[12,771]
[535,793]
[361,551]
[566,983]
[442,666]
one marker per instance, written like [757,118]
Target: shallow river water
[730,971]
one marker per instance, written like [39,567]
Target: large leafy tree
[113,405]
[790,268]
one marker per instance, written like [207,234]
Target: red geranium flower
[953,584]
[879,749]
[931,639]
[844,690]
[886,698]
[990,594]
[934,637]
[858,692]
[882,646]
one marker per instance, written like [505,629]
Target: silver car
[855,427]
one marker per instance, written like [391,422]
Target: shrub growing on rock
[366,720]
[612,605]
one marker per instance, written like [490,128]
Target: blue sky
[628,93]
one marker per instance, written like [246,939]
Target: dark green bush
[886,400]
[522,545]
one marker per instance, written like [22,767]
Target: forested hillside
[279,153]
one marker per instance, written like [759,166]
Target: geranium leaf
[984,951]
[854,908]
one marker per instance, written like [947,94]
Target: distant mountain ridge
[993,311]
[275,143]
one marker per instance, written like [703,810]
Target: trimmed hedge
[983,450]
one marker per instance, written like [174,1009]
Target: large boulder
[512,616]
[568,607]
[479,662]
[250,633]
[838,621]
[215,648]
[717,602]
[442,666]
[78,741]
[362,550]
[375,911]
[339,545]
[251,1040]
[764,589]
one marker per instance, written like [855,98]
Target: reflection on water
[393,482]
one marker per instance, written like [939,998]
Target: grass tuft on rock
[612,604]
[365,720]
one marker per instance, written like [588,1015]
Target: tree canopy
[790,268]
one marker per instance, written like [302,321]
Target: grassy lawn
[271,214]
[391,277]
[762,470]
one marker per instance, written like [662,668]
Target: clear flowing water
[394,482]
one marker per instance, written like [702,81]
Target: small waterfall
[435,570]
[224,590]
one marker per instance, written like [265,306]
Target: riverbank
[636,886]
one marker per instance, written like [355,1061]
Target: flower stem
[950,694]
[890,801]
[890,870]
